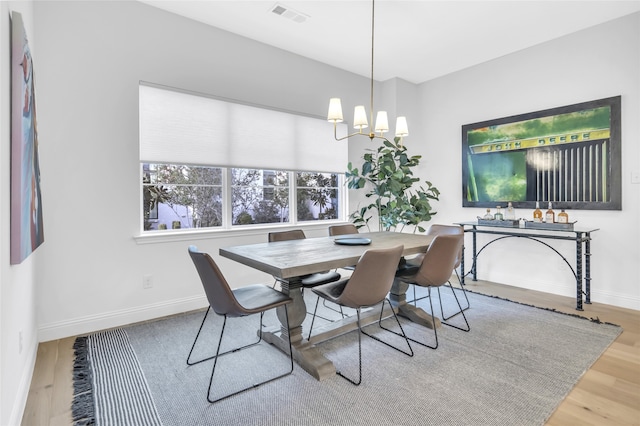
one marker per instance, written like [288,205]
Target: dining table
[289,261]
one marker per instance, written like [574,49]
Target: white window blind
[178,127]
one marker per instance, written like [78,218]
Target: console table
[582,237]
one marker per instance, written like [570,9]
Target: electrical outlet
[19,342]
[147,281]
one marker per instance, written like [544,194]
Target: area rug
[514,367]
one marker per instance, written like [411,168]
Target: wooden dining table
[290,260]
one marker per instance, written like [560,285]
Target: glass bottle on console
[537,213]
[550,215]
[498,215]
[563,217]
[510,214]
[488,215]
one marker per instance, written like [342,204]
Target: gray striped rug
[513,368]
[109,383]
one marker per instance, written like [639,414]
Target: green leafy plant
[398,198]
[152,196]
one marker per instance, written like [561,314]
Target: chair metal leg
[218,355]
[415,299]
[215,361]
[459,312]
[189,362]
[464,292]
[339,373]
[196,339]
[313,318]
[315,314]
[234,350]
[401,334]
[361,331]
[433,321]
[324,303]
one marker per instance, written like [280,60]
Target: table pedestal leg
[304,353]
[398,297]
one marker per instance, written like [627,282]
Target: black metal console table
[582,237]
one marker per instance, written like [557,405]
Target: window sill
[173,235]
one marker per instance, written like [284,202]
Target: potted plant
[397,196]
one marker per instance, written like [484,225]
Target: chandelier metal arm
[371,135]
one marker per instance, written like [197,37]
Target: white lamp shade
[401,127]
[360,118]
[335,111]
[382,123]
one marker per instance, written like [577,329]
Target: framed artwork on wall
[26,200]
[568,155]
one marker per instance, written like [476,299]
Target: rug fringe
[82,407]
[595,320]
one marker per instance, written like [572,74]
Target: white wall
[596,63]
[91,58]
[18,316]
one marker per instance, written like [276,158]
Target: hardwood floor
[49,400]
[608,393]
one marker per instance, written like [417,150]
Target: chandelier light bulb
[335,111]
[360,118]
[382,123]
[401,127]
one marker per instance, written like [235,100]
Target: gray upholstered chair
[368,286]
[310,280]
[244,301]
[346,229]
[435,230]
[435,270]
[294,234]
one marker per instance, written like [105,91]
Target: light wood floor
[608,394]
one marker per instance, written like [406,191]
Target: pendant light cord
[373,12]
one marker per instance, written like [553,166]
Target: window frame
[179,126]
[227,227]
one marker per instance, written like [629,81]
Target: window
[184,197]
[179,196]
[211,163]
[317,196]
[259,196]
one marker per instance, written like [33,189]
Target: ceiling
[416,40]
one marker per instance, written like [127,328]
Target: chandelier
[359,114]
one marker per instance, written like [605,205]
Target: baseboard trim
[597,296]
[621,301]
[92,323]
[568,290]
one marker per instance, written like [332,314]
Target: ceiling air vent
[289,13]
